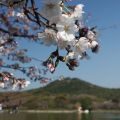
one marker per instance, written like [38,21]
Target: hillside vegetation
[68,93]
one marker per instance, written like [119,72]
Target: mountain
[75,86]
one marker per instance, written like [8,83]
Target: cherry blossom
[48,22]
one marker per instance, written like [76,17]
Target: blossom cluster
[7,80]
[66,31]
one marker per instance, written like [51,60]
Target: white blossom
[66,30]
[48,37]
[81,46]
[70,55]
[93,44]
[51,10]
[20,15]
[78,12]
[2,84]
[26,83]
[91,35]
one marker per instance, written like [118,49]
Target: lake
[60,116]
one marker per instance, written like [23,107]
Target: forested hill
[76,86]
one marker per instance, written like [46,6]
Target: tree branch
[17,35]
[36,14]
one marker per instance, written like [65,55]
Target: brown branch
[27,12]
[8,41]
[17,2]
[5,20]
[26,3]
[17,35]
[12,3]
[7,66]
[36,14]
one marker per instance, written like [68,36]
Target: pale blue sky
[102,69]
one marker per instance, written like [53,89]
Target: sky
[103,68]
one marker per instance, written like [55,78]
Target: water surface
[60,116]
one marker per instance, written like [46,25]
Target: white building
[0,107]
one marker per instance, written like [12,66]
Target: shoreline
[69,111]
[49,111]
[65,111]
